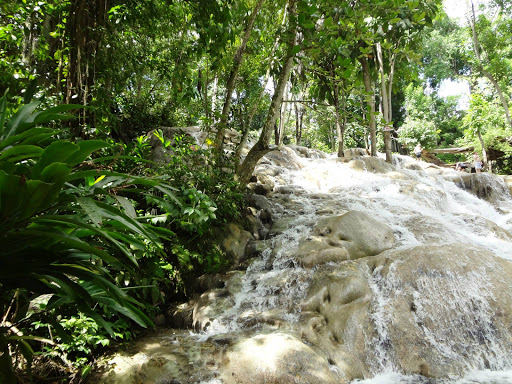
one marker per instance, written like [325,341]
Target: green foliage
[486,117]
[70,228]
[85,337]
[418,131]
[431,121]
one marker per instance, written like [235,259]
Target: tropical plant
[64,229]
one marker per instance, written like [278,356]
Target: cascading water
[424,303]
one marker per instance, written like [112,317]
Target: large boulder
[350,236]
[484,185]
[234,242]
[275,358]
[429,310]
[371,164]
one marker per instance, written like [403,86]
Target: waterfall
[372,273]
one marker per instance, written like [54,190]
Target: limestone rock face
[354,152]
[235,242]
[275,358]
[421,309]
[429,310]
[345,275]
[349,236]
[449,303]
[371,164]
[335,316]
[308,152]
[483,185]
[284,157]
[508,182]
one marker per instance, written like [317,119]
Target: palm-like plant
[62,227]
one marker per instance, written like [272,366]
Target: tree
[230,85]
[488,62]
[262,145]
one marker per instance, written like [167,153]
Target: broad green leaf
[20,152]
[3,111]
[127,206]
[91,209]
[58,151]
[20,121]
[86,148]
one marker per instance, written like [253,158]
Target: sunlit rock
[439,309]
[308,152]
[371,164]
[349,236]
[275,358]
[354,152]
[285,157]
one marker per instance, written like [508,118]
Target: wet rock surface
[353,267]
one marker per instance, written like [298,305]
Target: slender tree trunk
[230,85]
[484,152]
[245,135]
[371,101]
[277,125]
[385,102]
[299,115]
[492,79]
[214,98]
[262,145]
[339,129]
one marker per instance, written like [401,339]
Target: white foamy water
[421,208]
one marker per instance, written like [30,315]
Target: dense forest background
[97,238]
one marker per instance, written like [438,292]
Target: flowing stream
[424,207]
[446,213]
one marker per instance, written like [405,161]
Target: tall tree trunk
[368,87]
[486,73]
[277,125]
[284,117]
[230,85]
[336,96]
[484,152]
[83,30]
[385,102]
[339,128]
[245,135]
[299,115]
[262,145]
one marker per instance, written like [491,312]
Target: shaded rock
[235,242]
[256,248]
[259,202]
[255,227]
[181,316]
[508,182]
[209,306]
[260,189]
[484,185]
